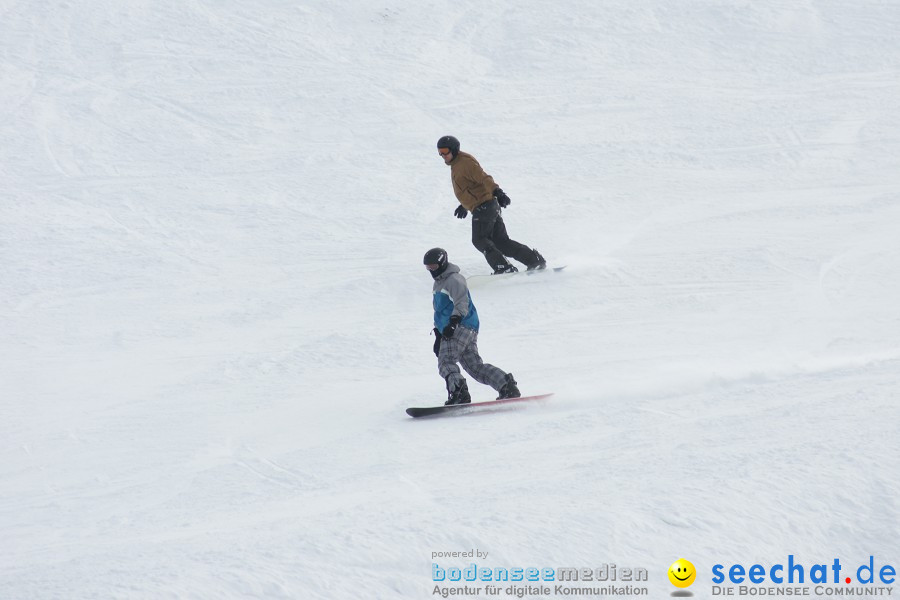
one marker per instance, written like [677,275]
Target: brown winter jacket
[472,186]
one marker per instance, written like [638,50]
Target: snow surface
[213,309]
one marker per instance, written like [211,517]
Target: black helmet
[436,256]
[448,141]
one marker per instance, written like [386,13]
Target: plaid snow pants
[463,348]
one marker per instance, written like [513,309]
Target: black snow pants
[490,238]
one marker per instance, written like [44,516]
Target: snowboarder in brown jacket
[479,194]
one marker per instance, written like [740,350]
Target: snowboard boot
[539,262]
[510,389]
[505,269]
[459,396]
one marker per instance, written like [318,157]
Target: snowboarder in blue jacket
[456,332]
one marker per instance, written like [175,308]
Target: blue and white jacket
[451,297]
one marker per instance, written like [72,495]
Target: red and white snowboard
[481,278]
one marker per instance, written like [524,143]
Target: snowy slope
[213,309]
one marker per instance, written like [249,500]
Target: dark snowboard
[465,409]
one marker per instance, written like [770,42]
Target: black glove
[451,327]
[460,212]
[501,198]
[437,341]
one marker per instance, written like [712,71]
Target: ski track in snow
[214,313]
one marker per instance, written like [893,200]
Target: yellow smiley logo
[682,573]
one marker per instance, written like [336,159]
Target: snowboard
[517,273]
[465,409]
